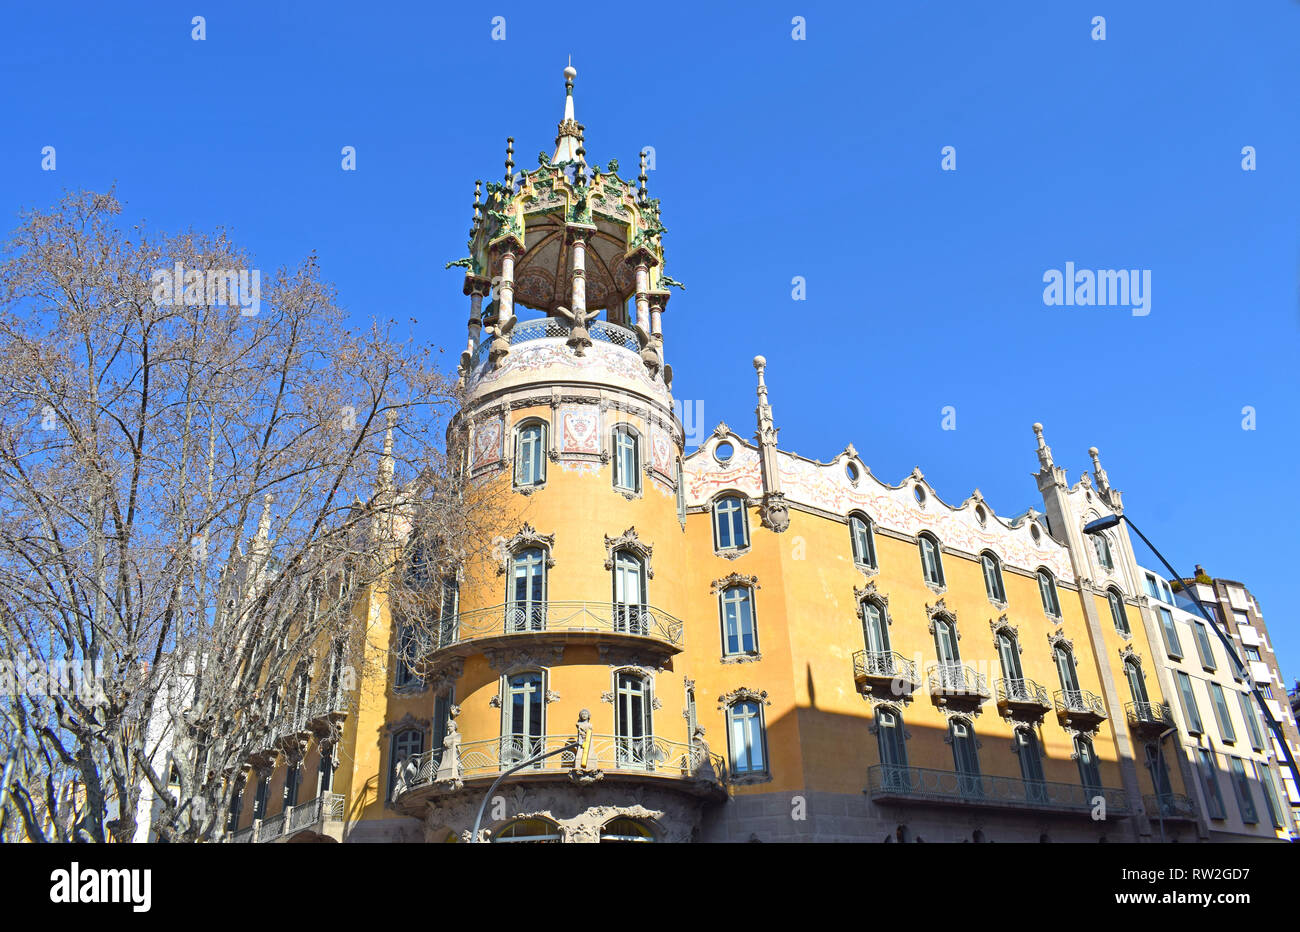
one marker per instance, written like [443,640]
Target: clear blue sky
[778,158]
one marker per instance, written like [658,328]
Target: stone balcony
[640,627]
[1079,708]
[918,785]
[1149,719]
[321,819]
[689,768]
[958,685]
[1022,699]
[885,674]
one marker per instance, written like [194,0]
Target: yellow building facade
[732,645]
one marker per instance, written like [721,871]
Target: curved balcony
[642,627]
[543,328]
[1149,719]
[1022,698]
[320,818]
[886,674]
[918,785]
[1173,806]
[958,685]
[1079,708]
[691,768]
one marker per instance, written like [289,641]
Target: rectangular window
[1252,653]
[1245,799]
[1249,715]
[1190,711]
[739,636]
[1210,784]
[1153,589]
[1221,715]
[1173,646]
[1265,774]
[1204,649]
[746,737]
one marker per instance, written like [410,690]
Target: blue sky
[778,158]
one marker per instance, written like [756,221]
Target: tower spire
[773,511]
[1044,451]
[569,140]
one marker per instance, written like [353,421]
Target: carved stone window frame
[548,451]
[731,553]
[630,542]
[720,587]
[1001,625]
[758,697]
[527,536]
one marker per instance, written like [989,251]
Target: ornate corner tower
[570,631]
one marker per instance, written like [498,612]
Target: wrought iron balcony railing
[918,784]
[543,328]
[327,806]
[271,828]
[1149,715]
[1169,806]
[885,666]
[1022,692]
[608,753]
[635,620]
[1079,702]
[245,835]
[958,679]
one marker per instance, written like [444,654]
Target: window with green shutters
[1228,733]
[1190,710]
[1252,721]
[1245,799]
[1203,648]
[1173,646]
[1210,783]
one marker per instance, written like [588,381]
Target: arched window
[1009,655]
[1117,613]
[993,578]
[529,831]
[864,541]
[527,595]
[965,757]
[1047,589]
[627,459]
[1065,669]
[681,494]
[523,717]
[745,738]
[404,744]
[1089,772]
[1102,546]
[945,640]
[730,523]
[739,633]
[633,725]
[875,628]
[625,831]
[1137,685]
[1031,764]
[406,648]
[530,454]
[629,594]
[931,561]
[893,748]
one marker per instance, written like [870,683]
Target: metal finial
[510,160]
[641,180]
[478,207]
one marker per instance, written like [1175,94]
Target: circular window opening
[919,494]
[980,516]
[723,452]
[851,470]
[1035,533]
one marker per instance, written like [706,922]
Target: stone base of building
[578,812]
[839,817]
[395,830]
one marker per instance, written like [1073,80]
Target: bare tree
[193,486]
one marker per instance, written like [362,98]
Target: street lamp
[1103,524]
[478,819]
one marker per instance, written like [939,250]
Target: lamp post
[478,818]
[1103,524]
